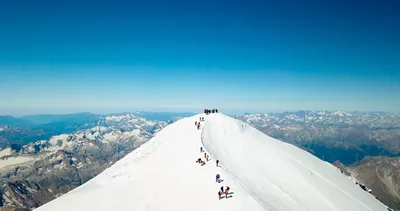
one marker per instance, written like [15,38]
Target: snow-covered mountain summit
[262,173]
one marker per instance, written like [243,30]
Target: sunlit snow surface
[263,173]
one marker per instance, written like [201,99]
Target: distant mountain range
[331,136]
[26,129]
[41,127]
[368,143]
[15,122]
[163,116]
[35,173]
[45,156]
[43,119]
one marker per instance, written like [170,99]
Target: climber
[222,189]
[217,162]
[198,160]
[205,155]
[195,123]
[219,195]
[217,177]
[226,193]
[207,158]
[203,163]
[201,149]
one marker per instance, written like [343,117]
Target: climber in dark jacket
[217,178]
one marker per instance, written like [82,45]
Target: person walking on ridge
[207,158]
[219,195]
[217,177]
[217,162]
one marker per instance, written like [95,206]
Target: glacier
[263,174]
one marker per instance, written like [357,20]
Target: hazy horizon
[229,112]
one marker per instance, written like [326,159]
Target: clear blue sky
[69,56]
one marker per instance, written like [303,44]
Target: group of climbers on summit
[208,111]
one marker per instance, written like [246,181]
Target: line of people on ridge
[197,123]
[208,111]
[202,162]
[218,179]
[222,191]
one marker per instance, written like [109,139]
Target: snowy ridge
[294,179]
[263,173]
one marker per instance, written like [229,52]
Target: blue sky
[69,56]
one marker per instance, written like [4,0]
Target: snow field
[160,175]
[264,174]
[279,175]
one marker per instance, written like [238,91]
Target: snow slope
[279,175]
[263,173]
